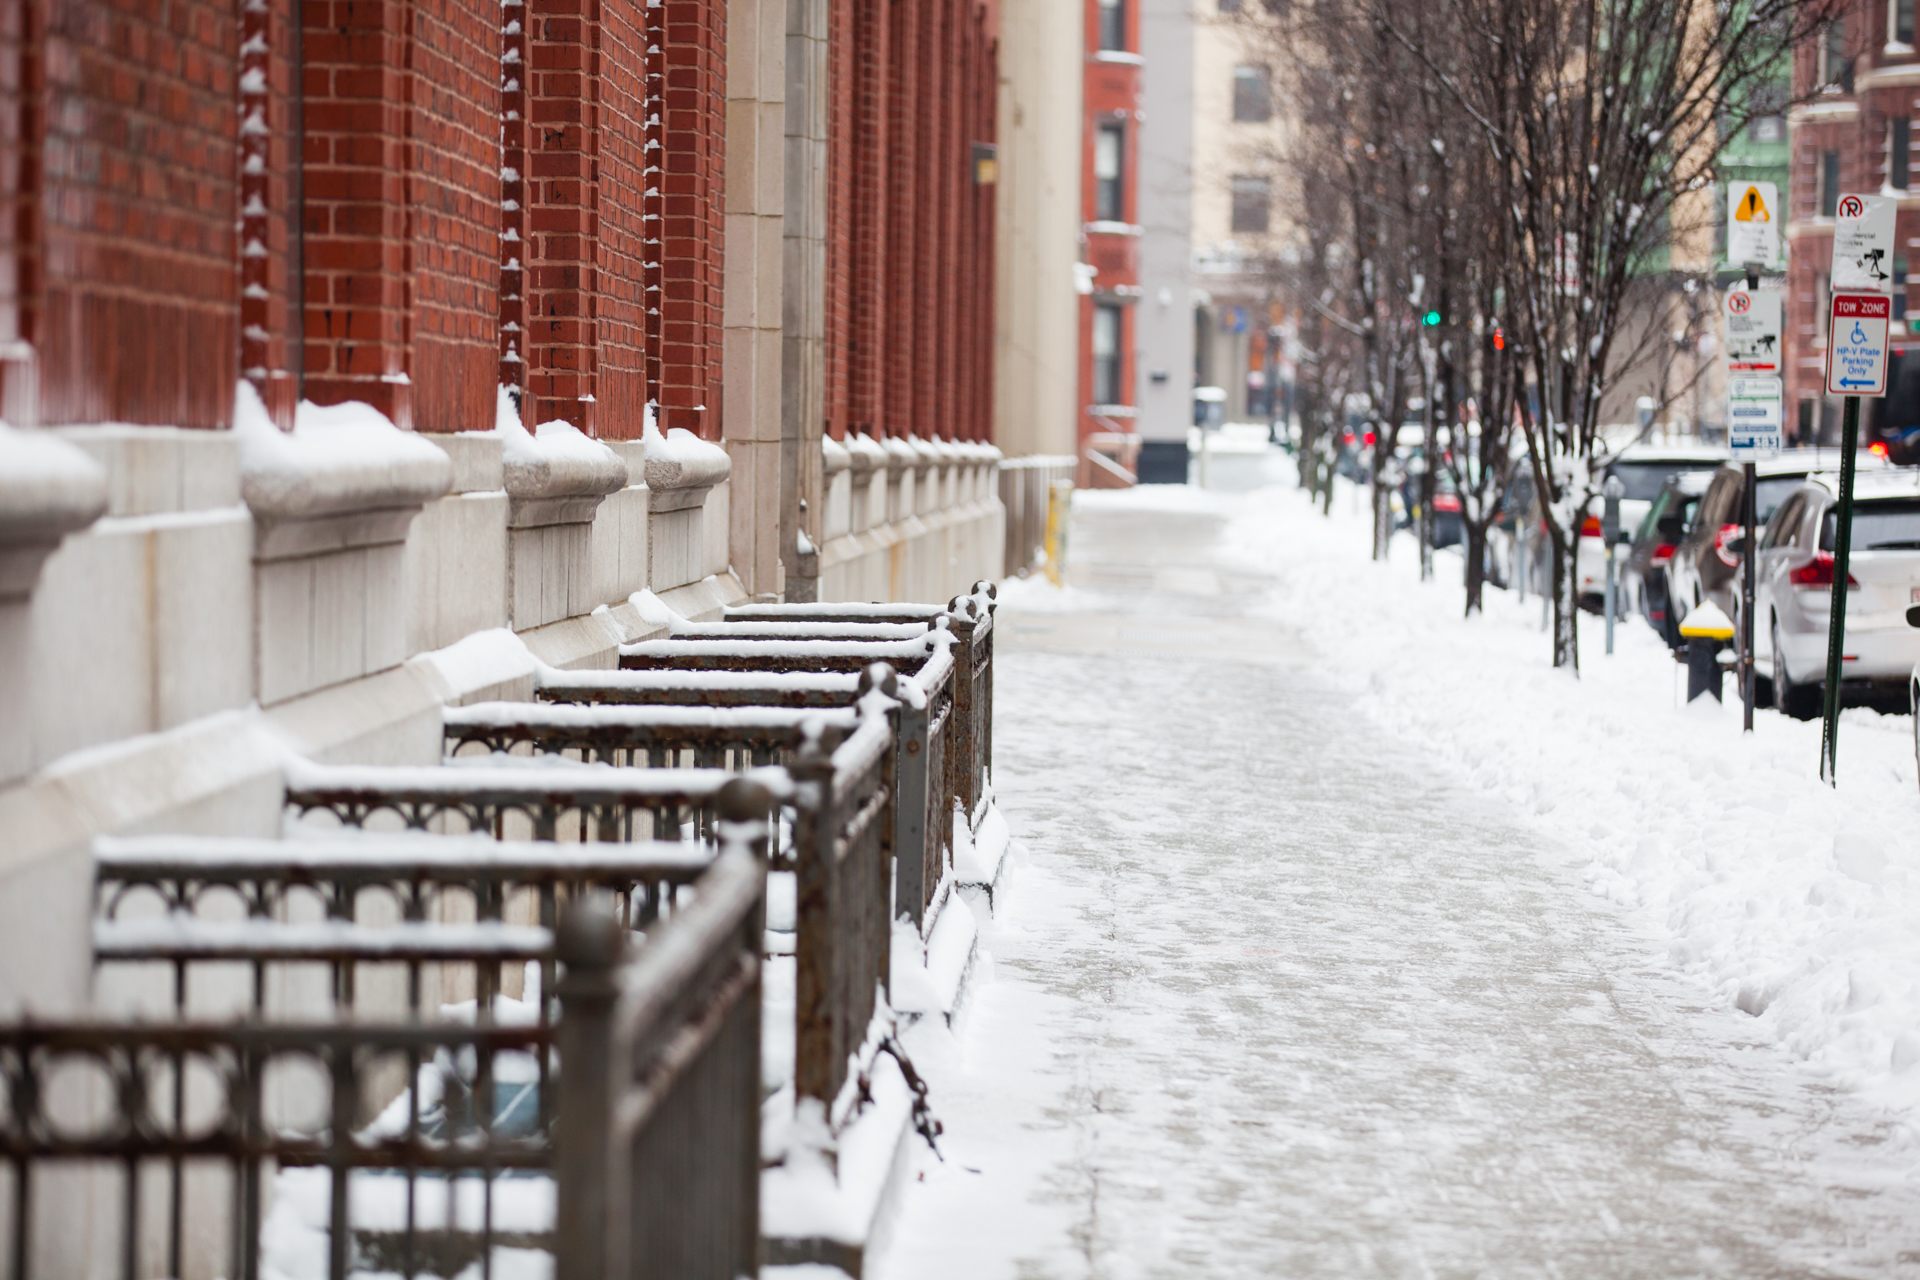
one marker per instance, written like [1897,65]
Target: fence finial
[878,675]
[589,936]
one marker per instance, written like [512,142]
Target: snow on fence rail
[606,804]
[740,737]
[431,881]
[182,1125]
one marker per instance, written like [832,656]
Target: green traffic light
[1431,318]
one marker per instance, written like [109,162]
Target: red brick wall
[624,177]
[127,219]
[909,251]
[512,241]
[693,215]
[355,253]
[455,212]
[562,198]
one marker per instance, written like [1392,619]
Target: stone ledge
[681,468]
[555,474]
[343,477]
[48,489]
[158,470]
[477,463]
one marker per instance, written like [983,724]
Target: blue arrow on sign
[1856,382]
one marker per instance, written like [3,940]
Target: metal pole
[1837,611]
[1747,570]
[1746,602]
[1609,599]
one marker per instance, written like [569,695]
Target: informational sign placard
[1857,344]
[1753,331]
[1863,243]
[1753,233]
[1753,418]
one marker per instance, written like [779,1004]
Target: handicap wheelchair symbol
[1859,335]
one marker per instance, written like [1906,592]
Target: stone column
[803,308]
[752,315]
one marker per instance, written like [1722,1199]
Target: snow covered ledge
[48,489]
[556,478]
[687,524]
[332,501]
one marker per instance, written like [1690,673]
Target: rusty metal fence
[603,841]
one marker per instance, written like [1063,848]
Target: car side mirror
[1913,615]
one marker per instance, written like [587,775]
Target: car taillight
[1590,527]
[1722,548]
[1662,555]
[1818,572]
[1446,502]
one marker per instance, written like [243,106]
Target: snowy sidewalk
[1302,975]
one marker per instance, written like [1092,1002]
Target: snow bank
[1791,901]
[555,459]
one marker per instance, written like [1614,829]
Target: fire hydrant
[1705,630]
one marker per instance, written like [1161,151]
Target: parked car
[1794,585]
[1642,470]
[1707,563]
[1644,575]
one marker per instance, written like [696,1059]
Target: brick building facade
[1857,85]
[266,269]
[439,197]
[1111,234]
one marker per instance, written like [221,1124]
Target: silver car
[1793,591]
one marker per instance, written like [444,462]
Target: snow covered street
[1348,940]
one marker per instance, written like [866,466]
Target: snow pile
[1793,902]
[338,458]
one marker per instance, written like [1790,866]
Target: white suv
[1643,470]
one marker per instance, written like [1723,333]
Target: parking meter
[1612,492]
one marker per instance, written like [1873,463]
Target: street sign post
[1753,331]
[1857,344]
[1753,418]
[1856,366]
[1863,244]
[1753,233]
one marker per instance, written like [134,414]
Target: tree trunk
[1566,610]
[1476,536]
[1382,515]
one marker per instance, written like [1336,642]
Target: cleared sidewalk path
[1272,998]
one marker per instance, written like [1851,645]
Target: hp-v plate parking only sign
[1857,344]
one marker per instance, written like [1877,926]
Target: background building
[1854,86]
[1163,363]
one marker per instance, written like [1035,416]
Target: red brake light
[1590,527]
[1721,540]
[1446,502]
[1818,572]
[1662,554]
[1877,449]
[1369,439]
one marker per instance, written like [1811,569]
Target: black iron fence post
[589,944]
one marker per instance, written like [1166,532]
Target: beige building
[1240,211]
[1037,306]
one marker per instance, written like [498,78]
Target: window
[1900,21]
[1836,67]
[1829,183]
[1229,6]
[1899,151]
[1109,153]
[1113,24]
[1250,198]
[1106,354]
[1251,101]
[1784,523]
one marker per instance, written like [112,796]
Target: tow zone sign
[1857,344]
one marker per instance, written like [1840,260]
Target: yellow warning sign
[1752,207]
[1753,234]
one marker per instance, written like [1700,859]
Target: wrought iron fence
[200,1128]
